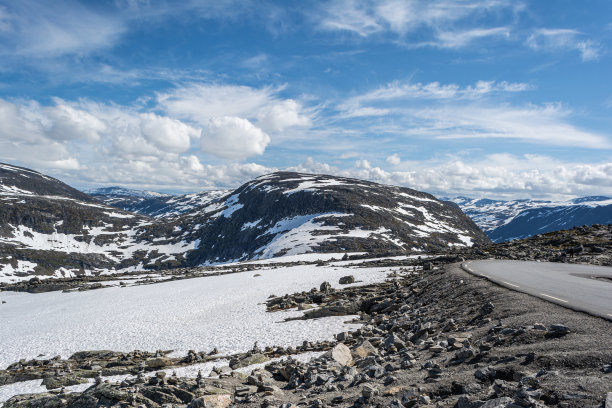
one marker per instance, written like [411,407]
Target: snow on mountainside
[48,228]
[156,205]
[288,213]
[507,220]
[19,181]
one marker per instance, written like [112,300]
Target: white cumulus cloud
[394,159]
[233,138]
[240,120]
[68,123]
[167,134]
[282,115]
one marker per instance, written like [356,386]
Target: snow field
[227,312]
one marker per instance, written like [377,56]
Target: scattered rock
[345,280]
[341,354]
[211,401]
[559,330]
[368,391]
[487,309]
[62,381]
[159,362]
[256,358]
[539,326]
[365,349]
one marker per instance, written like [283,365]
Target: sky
[492,98]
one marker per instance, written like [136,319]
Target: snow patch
[232,206]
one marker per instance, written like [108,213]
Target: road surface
[585,288]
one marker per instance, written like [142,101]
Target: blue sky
[492,98]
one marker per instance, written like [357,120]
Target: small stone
[436,348]
[211,401]
[498,402]
[539,326]
[394,341]
[325,287]
[345,280]
[368,391]
[464,353]
[340,354]
[395,403]
[487,309]
[365,349]
[375,371]
[485,374]
[245,390]
[343,336]
[158,362]
[246,361]
[559,329]
[390,380]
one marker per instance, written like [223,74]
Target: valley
[294,288]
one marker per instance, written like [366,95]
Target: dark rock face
[507,220]
[291,213]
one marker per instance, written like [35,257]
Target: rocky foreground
[439,337]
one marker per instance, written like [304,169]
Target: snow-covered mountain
[50,229]
[508,220]
[156,205]
[291,213]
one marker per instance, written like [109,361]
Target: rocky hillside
[507,220]
[587,245]
[156,205]
[48,228]
[292,213]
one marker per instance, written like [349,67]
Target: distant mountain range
[508,220]
[156,205]
[49,228]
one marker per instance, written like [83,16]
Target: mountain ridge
[277,214]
